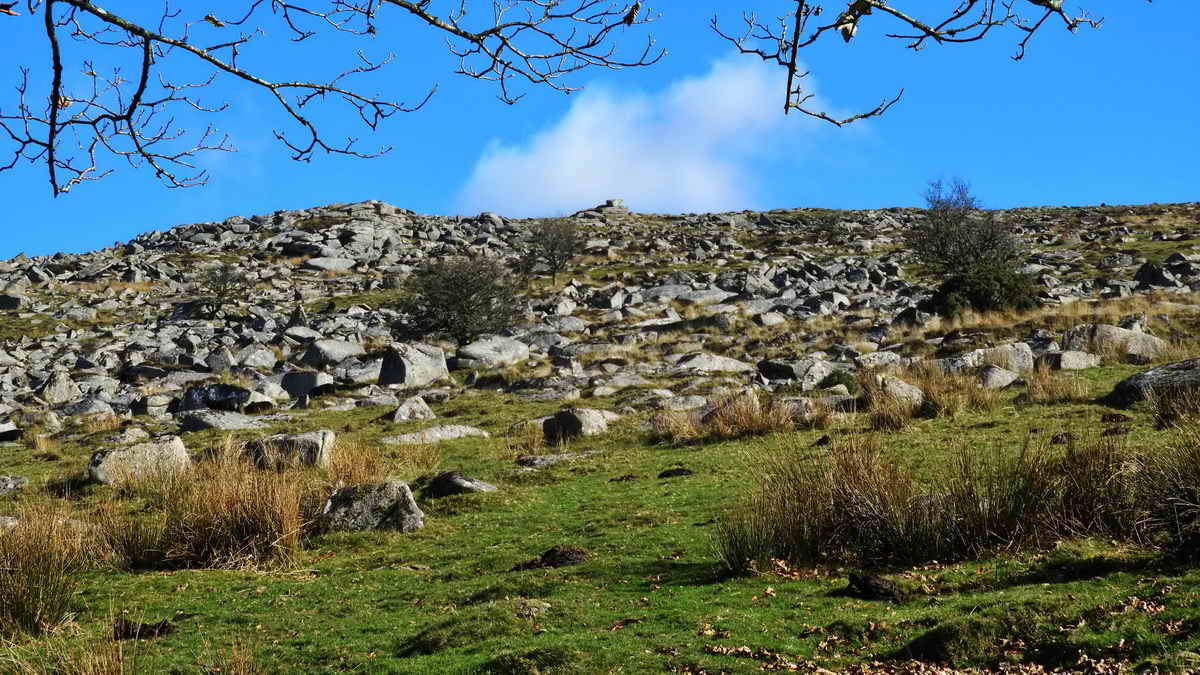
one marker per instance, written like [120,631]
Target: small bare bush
[416,459]
[355,462]
[1175,407]
[738,416]
[39,561]
[523,439]
[1045,386]
[61,657]
[951,394]
[225,512]
[855,506]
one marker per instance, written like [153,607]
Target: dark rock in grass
[1175,379]
[871,587]
[675,473]
[559,556]
[376,506]
[10,484]
[454,483]
[226,397]
[568,424]
[124,629]
[10,432]
[627,478]
[1065,438]
[543,461]
[1115,418]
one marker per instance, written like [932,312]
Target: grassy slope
[652,597]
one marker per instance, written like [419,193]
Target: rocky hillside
[566,496]
[118,330]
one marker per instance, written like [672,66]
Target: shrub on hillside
[986,288]
[855,506]
[459,298]
[975,254]
[552,243]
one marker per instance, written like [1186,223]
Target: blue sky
[1106,115]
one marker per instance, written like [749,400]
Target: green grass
[651,598]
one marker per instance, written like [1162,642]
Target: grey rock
[1171,379]
[1132,346]
[1069,360]
[215,397]
[314,448]
[10,484]
[883,359]
[412,365]
[495,352]
[323,353]
[414,408]
[59,389]
[900,390]
[330,264]
[445,432]
[375,506]
[995,377]
[300,384]
[454,483]
[10,432]
[712,363]
[809,372]
[681,403]
[166,455]
[574,422]
[199,420]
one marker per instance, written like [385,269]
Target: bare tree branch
[530,42]
[972,20]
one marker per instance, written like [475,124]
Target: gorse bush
[986,288]
[459,298]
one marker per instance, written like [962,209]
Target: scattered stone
[445,432]
[565,425]
[200,420]
[1069,360]
[1131,346]
[1173,378]
[453,483]
[712,363]
[10,484]
[414,408]
[558,556]
[412,365]
[166,455]
[675,473]
[493,352]
[994,377]
[377,506]
[314,448]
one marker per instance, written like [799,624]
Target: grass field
[652,597]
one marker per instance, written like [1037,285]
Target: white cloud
[691,147]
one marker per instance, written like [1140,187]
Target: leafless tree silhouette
[131,86]
[159,62]
[916,23]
